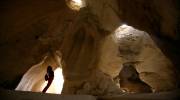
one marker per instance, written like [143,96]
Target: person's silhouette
[48,77]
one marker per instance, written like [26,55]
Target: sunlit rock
[76,4]
[93,44]
[129,45]
[34,79]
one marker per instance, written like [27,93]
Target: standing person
[48,77]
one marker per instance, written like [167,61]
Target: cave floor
[20,95]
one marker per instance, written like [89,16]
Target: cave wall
[135,47]
[33,80]
[30,30]
[155,16]
[160,18]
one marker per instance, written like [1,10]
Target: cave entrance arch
[33,80]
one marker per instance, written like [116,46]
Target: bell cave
[90,49]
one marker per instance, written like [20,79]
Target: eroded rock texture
[157,17]
[29,30]
[92,50]
[82,52]
[128,45]
[34,78]
[130,80]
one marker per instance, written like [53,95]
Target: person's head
[49,68]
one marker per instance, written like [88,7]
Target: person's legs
[47,86]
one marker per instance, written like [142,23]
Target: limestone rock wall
[81,56]
[33,80]
[30,30]
[160,18]
[129,45]
[155,16]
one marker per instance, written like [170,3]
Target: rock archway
[92,52]
[34,79]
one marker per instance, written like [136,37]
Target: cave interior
[98,49]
